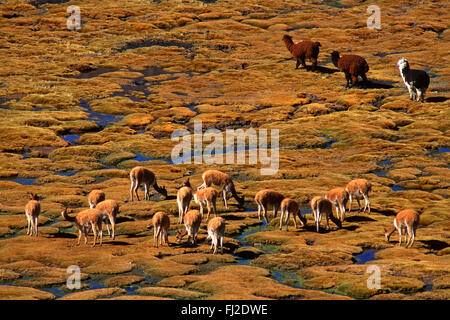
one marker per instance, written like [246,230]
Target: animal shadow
[350,228]
[436,99]
[378,84]
[358,219]
[435,244]
[322,69]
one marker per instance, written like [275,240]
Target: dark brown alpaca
[352,66]
[303,50]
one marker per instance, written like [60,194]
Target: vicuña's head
[403,64]
[185,183]
[241,201]
[387,235]
[180,234]
[163,191]
[33,196]
[302,218]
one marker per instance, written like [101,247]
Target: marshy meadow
[79,109]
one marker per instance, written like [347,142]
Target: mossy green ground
[81,108]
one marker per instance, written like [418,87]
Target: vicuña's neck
[390,230]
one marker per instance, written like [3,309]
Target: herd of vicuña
[105,211]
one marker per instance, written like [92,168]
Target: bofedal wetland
[352,116]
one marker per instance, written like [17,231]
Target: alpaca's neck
[335,61]
[404,69]
[288,43]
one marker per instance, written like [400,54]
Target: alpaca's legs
[297,64]
[314,64]
[354,80]
[421,94]
[348,79]
[303,63]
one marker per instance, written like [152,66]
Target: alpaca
[161,224]
[222,180]
[267,197]
[352,66]
[338,197]
[216,229]
[109,208]
[84,219]
[32,211]
[417,81]
[320,206]
[141,175]
[290,206]
[357,188]
[184,197]
[305,49]
[406,219]
[192,221]
[206,196]
[94,197]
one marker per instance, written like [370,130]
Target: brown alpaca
[32,211]
[305,49]
[141,175]
[357,188]
[208,197]
[267,197]
[406,219]
[184,197]
[290,206]
[216,229]
[85,219]
[192,221]
[109,208]
[161,224]
[321,206]
[94,197]
[338,197]
[352,66]
[222,180]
